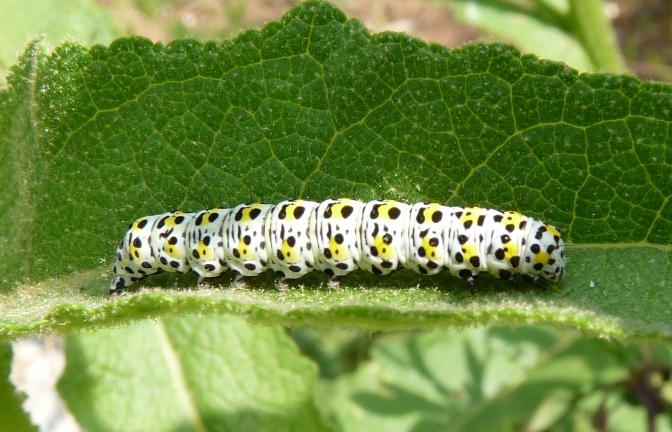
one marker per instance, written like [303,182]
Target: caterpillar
[338,236]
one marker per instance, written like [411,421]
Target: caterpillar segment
[334,230]
[427,250]
[205,245]
[245,240]
[382,236]
[152,244]
[337,237]
[289,245]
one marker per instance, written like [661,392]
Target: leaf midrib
[177,377]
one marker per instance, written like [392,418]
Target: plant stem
[597,35]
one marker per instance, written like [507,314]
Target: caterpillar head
[545,252]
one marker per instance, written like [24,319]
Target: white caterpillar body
[338,236]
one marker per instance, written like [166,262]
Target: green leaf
[315,106]
[485,379]
[12,416]
[196,373]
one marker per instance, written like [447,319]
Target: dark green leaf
[315,106]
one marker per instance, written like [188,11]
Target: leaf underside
[314,106]
[200,373]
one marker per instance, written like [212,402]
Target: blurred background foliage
[552,380]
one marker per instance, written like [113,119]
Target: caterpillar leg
[119,284]
[334,282]
[510,277]
[239,282]
[281,284]
[204,282]
[471,278]
[534,280]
